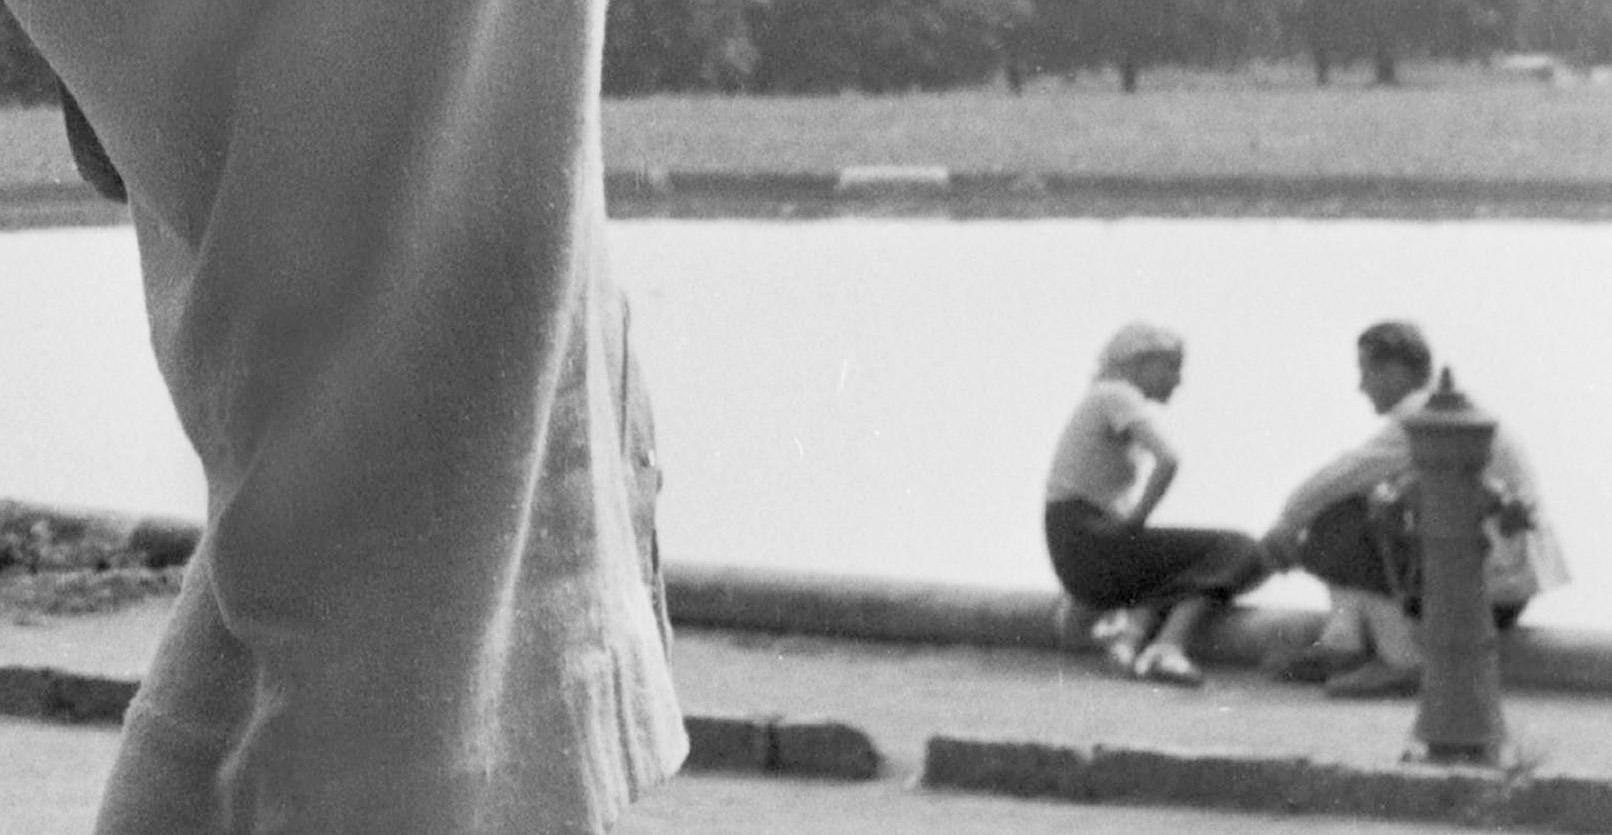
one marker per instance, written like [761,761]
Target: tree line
[823,46]
[787,47]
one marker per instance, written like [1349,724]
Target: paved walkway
[899,695]
[903,694]
[54,773]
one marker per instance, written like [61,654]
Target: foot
[1375,680]
[1167,664]
[1313,664]
[1121,638]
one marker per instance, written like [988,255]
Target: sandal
[1120,637]
[1167,664]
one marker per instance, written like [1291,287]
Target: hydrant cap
[1448,406]
[1446,398]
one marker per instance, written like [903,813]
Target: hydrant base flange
[1499,755]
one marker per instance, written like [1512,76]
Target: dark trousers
[1347,547]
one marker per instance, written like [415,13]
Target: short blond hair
[1137,340]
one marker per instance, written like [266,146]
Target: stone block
[885,179]
[824,749]
[1466,796]
[1020,769]
[25,691]
[1224,779]
[729,743]
[1562,804]
[87,699]
[1401,792]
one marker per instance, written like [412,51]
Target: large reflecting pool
[881,397]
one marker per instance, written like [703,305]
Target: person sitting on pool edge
[1157,584]
[1367,647]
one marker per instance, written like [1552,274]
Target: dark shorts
[1105,565]
[1344,548]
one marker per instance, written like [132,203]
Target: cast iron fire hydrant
[1459,720]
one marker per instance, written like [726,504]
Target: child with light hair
[1157,584]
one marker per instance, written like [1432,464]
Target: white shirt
[1519,566]
[1095,458]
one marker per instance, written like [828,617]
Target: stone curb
[964,183]
[771,744]
[922,191]
[774,744]
[47,205]
[1244,782]
[865,608]
[730,597]
[881,179]
[931,190]
[45,693]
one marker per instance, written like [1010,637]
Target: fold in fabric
[372,238]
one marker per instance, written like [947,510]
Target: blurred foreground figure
[371,236]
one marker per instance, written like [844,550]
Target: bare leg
[1341,646]
[1396,671]
[1182,621]
[1144,621]
[1345,628]
[1393,635]
[1124,632]
[1165,659]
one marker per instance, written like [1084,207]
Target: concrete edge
[875,179]
[46,205]
[1253,783]
[938,191]
[47,693]
[765,744]
[730,597]
[921,190]
[995,183]
[866,608]
[776,744]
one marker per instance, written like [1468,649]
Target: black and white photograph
[784,417]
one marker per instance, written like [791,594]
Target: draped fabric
[371,233]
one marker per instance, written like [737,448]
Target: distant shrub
[816,46]
[826,46]
[675,45]
[85,592]
[1577,30]
[805,46]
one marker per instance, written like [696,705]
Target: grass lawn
[1442,123]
